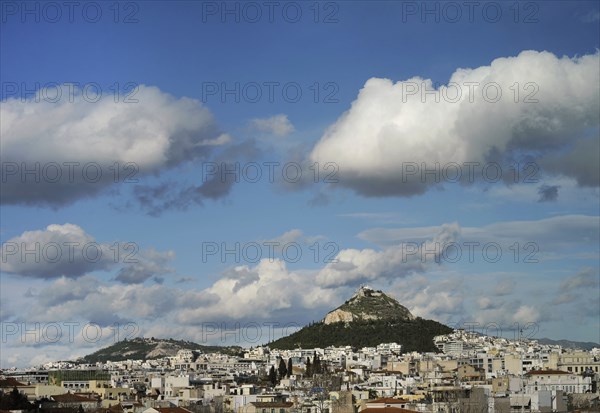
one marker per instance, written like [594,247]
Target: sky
[227,172]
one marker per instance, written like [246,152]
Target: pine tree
[309,369]
[272,376]
[282,369]
[289,367]
[317,364]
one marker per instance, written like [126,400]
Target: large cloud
[68,251]
[268,290]
[353,266]
[392,128]
[266,296]
[265,291]
[79,135]
[58,250]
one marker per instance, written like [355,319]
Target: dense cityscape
[466,372]
[471,373]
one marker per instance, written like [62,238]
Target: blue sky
[340,88]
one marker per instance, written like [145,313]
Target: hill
[149,348]
[577,345]
[367,319]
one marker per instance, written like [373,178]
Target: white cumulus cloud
[277,125]
[394,128]
[80,136]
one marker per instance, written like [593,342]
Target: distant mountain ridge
[141,348]
[578,345]
[368,318]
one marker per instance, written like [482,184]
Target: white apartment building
[556,380]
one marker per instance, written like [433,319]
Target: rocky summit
[368,304]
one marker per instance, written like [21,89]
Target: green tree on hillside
[316,364]
[309,368]
[282,369]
